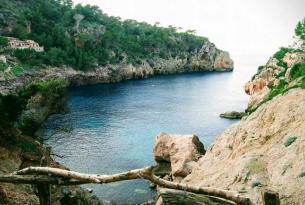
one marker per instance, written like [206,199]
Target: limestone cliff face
[264,151]
[208,58]
[270,75]
[211,58]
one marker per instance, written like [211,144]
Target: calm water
[111,128]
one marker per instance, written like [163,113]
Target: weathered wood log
[44,189]
[178,197]
[55,175]
[37,179]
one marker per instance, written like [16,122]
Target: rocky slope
[264,151]
[262,155]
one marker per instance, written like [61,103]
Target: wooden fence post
[44,190]
[271,197]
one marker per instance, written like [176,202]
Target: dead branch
[65,177]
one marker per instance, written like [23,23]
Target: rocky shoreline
[208,58]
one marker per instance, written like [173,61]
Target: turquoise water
[112,127]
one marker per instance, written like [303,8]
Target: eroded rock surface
[180,150]
[266,150]
[270,75]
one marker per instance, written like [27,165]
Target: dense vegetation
[14,105]
[85,37]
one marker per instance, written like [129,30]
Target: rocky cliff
[208,58]
[277,70]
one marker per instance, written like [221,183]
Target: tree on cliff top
[95,38]
[300,33]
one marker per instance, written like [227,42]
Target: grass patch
[256,166]
[290,140]
[302,174]
[279,55]
[17,70]
[280,89]
[283,64]
[256,184]
[297,71]
[3,66]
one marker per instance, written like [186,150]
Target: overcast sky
[238,26]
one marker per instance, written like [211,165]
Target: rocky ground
[264,151]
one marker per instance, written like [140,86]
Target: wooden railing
[44,176]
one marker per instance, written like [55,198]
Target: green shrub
[256,184]
[302,174]
[26,146]
[17,70]
[290,140]
[3,41]
[277,90]
[281,74]
[28,56]
[283,64]
[300,32]
[297,71]
[274,91]
[14,103]
[279,55]
[3,66]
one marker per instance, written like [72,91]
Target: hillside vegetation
[284,71]
[85,37]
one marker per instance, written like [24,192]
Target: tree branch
[64,177]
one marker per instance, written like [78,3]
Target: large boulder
[181,151]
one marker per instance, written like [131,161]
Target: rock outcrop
[181,151]
[265,151]
[211,58]
[270,75]
[232,115]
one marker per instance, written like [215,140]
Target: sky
[242,27]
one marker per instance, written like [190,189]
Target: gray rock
[232,115]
